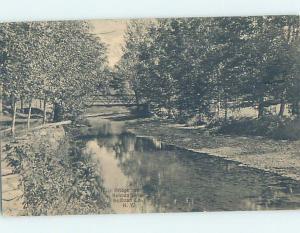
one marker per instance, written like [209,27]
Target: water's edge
[220,156]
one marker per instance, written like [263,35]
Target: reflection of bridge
[113,100]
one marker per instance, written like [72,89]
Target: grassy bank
[279,156]
[273,127]
[53,176]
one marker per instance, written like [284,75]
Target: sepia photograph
[150,115]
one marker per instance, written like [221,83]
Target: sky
[111,32]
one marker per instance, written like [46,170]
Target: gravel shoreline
[279,156]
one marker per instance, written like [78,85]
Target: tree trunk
[282,108]
[218,106]
[14,111]
[1,100]
[29,114]
[261,108]
[44,110]
[22,105]
[147,109]
[57,112]
[169,107]
[137,99]
[295,109]
[226,110]
[12,100]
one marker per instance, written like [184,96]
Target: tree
[76,64]
[15,65]
[269,60]
[129,71]
[189,65]
[60,62]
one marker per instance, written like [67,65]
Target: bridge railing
[113,100]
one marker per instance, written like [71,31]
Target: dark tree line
[188,65]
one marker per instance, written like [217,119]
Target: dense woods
[57,62]
[182,68]
[205,67]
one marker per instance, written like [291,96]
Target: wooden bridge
[113,100]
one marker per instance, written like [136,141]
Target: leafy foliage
[58,181]
[60,62]
[189,65]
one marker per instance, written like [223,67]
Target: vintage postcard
[150,115]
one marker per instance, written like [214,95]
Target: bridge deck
[113,100]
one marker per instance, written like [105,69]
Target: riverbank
[12,187]
[41,174]
[278,156]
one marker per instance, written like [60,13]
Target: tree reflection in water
[171,179]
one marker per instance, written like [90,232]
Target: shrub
[58,181]
[289,129]
[269,126]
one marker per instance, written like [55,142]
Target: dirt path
[279,156]
[11,192]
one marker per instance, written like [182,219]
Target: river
[143,175]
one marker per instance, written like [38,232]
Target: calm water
[143,175]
